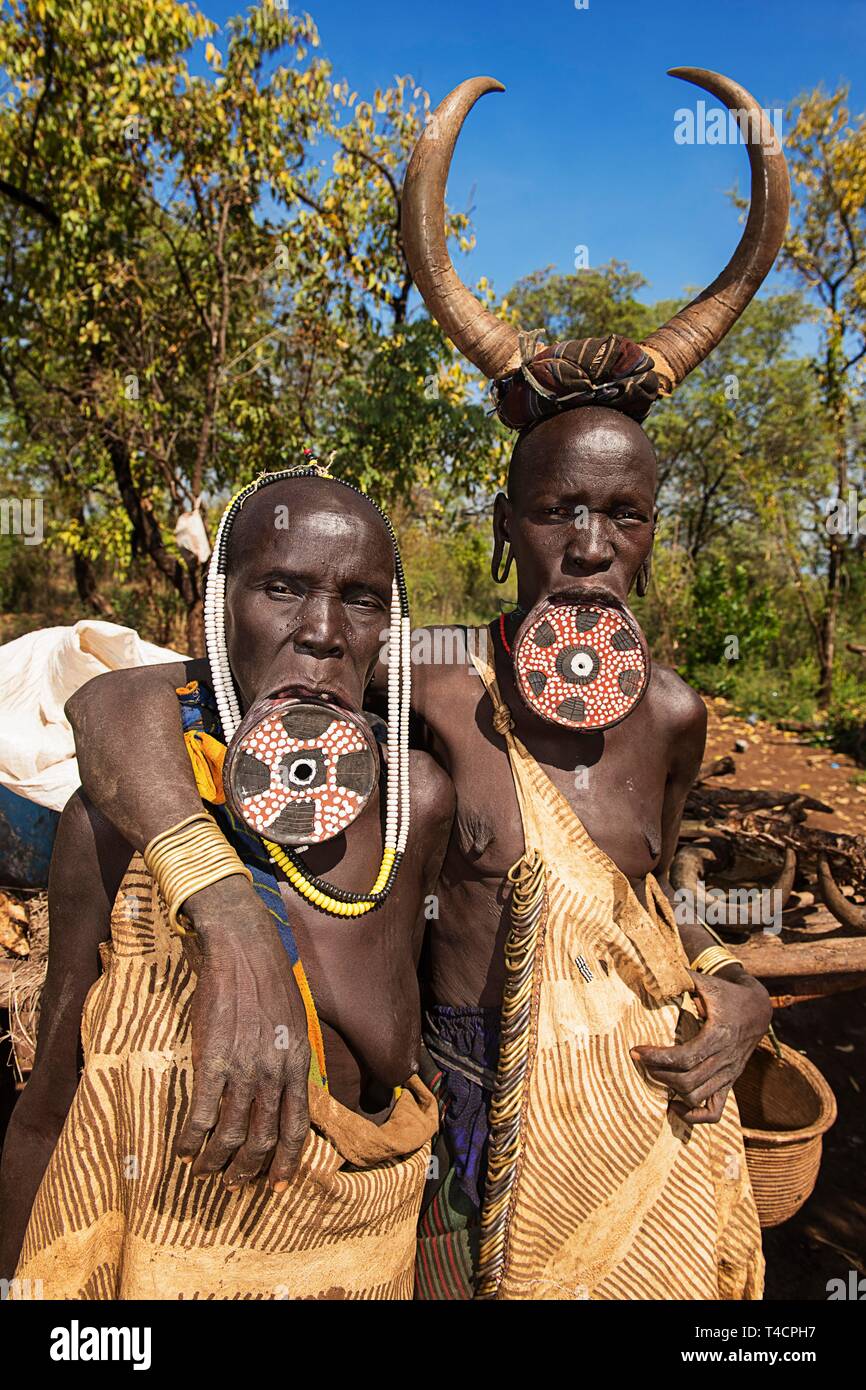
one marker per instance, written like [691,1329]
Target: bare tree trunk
[829,617]
[827,648]
[88,592]
[184,576]
[195,643]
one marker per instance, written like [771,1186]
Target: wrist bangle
[713,959]
[190,856]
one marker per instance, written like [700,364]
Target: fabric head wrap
[612,371]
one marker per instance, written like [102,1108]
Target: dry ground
[828,1236]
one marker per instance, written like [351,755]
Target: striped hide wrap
[118,1216]
[596,1191]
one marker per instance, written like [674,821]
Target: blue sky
[580,148]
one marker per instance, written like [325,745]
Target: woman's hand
[251,1054]
[700,1073]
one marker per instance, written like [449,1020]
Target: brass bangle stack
[190,856]
[713,959]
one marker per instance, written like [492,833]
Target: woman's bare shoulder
[104,693]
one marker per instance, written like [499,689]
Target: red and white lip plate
[582,665]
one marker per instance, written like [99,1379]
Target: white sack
[38,673]
[191,535]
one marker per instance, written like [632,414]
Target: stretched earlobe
[499,572]
[643,577]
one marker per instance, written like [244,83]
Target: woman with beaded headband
[586,1069]
[338,902]
[305,573]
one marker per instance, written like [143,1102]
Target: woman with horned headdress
[583,1044]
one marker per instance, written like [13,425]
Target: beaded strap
[528,902]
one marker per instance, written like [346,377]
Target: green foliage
[449,574]
[729,611]
[742,432]
[405,426]
[216,280]
[846,717]
[589,304]
[826,249]
[221,279]
[763,688]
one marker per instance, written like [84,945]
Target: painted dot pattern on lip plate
[581,665]
[297,785]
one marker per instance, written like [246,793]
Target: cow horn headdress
[531,380]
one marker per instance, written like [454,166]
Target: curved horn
[687,866]
[783,886]
[488,342]
[848,913]
[686,870]
[684,342]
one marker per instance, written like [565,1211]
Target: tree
[740,429]
[588,304]
[826,248]
[224,282]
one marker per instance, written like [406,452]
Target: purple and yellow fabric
[463,1043]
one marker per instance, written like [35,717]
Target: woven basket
[785,1108]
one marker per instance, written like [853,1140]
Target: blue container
[27,834]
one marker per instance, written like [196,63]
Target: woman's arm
[131,754]
[249,1099]
[737,1009]
[87,867]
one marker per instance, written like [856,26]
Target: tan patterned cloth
[118,1216]
[611,1196]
